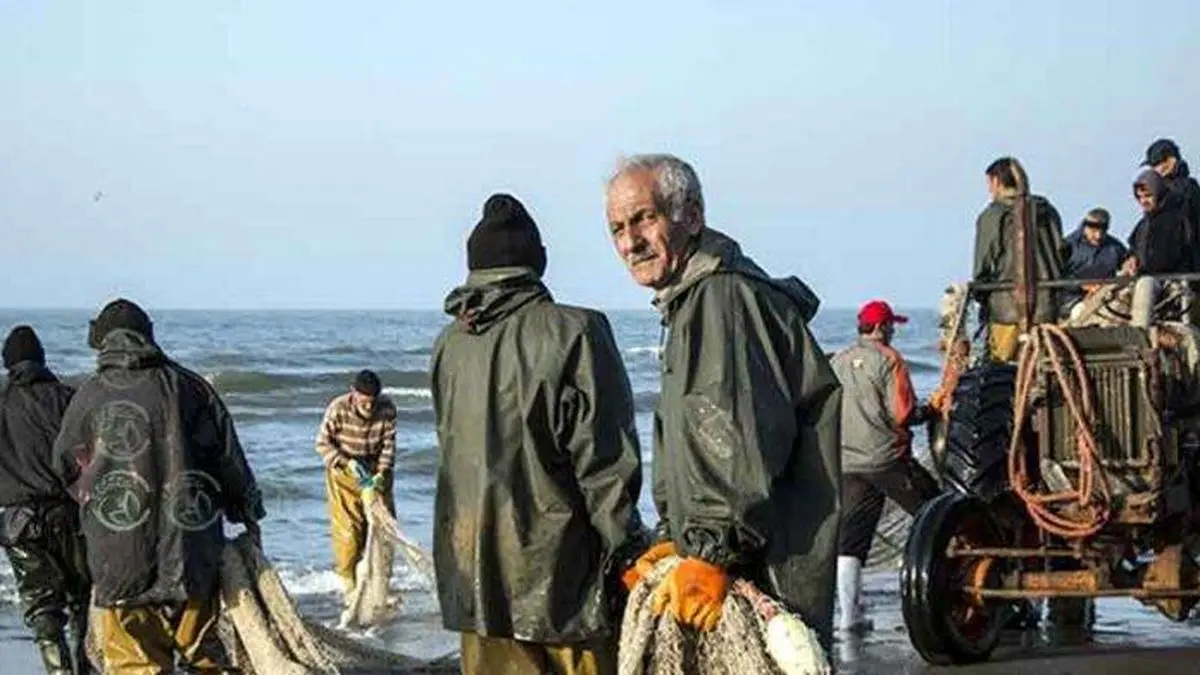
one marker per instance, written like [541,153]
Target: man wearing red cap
[878,406]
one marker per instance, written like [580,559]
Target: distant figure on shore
[39,522]
[996,257]
[878,407]
[539,469]
[150,451]
[357,438]
[1163,156]
[746,465]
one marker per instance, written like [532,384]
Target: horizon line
[357,309]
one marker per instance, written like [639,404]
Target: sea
[277,370]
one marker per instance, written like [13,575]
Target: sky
[297,154]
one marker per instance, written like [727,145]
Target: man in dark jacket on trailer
[153,457]
[539,469]
[996,257]
[1158,243]
[1093,253]
[1163,156]
[746,456]
[39,522]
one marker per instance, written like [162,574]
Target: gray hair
[676,185]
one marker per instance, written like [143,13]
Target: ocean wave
[257,382]
[652,350]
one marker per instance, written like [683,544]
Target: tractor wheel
[978,431]
[946,624]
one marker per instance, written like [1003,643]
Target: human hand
[646,562]
[694,593]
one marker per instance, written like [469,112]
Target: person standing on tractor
[357,443]
[1163,156]
[996,257]
[878,407]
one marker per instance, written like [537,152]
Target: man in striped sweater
[357,436]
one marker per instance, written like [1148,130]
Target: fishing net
[264,633]
[749,638]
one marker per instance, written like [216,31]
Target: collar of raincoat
[489,295]
[715,253]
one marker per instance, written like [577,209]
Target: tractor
[1071,473]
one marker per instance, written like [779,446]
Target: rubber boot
[56,656]
[849,588]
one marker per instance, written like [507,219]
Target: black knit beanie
[119,313]
[506,236]
[22,344]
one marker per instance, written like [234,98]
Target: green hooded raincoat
[746,454]
[539,467]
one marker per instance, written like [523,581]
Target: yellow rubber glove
[694,592]
[642,566]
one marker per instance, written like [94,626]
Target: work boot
[849,586]
[56,656]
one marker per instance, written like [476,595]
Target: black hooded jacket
[151,453]
[1186,191]
[31,411]
[1160,240]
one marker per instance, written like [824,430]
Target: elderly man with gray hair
[746,434]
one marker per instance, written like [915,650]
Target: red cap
[876,312]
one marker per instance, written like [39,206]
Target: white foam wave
[409,392]
[652,350]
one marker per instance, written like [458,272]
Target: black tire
[978,431]
[945,625]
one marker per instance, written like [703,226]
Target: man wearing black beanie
[39,522]
[152,455]
[539,461]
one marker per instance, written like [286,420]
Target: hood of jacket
[24,373]
[717,253]
[128,350]
[492,295]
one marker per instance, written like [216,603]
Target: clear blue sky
[319,154]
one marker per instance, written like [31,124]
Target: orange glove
[694,592]
[644,564]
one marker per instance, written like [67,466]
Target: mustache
[639,254]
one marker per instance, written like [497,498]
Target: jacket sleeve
[72,453]
[387,453]
[595,427]
[987,239]
[658,487]
[902,400]
[756,387]
[242,499]
[327,435]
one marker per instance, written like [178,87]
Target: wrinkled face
[1093,235]
[651,246]
[363,404]
[1166,167]
[1145,198]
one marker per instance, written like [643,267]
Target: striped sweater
[346,433]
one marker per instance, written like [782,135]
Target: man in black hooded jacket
[1163,156]
[1159,242]
[39,523]
[152,455]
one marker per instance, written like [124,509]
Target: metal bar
[1012,553]
[1026,276]
[1077,283]
[1140,593]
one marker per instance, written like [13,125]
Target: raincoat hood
[490,295]
[717,253]
[128,350]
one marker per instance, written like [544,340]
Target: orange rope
[1092,494]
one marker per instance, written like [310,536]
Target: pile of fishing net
[755,635]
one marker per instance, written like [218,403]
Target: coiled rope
[1091,496]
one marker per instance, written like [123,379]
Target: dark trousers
[46,549]
[906,482]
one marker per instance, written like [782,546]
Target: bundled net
[264,633]
[755,635]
